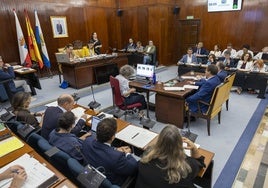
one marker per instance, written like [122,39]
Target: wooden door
[188,34]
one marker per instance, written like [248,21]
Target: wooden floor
[253,171]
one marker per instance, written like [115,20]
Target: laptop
[94,124]
[62,58]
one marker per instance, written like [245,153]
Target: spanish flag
[33,48]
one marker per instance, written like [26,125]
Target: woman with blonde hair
[166,165]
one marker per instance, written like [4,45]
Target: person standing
[97,43]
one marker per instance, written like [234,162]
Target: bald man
[52,114]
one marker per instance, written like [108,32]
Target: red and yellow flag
[33,48]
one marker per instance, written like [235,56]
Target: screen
[145,70]
[94,123]
[224,5]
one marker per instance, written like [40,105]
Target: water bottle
[154,78]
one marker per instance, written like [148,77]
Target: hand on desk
[124,149]
[17,172]
[84,136]
[191,146]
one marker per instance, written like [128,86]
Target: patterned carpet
[253,171]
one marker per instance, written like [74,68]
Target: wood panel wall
[141,19]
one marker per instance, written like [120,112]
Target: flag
[40,41]
[25,59]
[33,48]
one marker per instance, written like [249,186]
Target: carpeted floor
[253,171]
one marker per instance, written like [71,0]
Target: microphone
[93,104]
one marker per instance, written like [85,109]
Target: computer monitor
[144,70]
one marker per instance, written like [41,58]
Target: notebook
[62,58]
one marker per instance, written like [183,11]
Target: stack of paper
[37,174]
[10,144]
[136,136]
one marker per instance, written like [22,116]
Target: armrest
[199,102]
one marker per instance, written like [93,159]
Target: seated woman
[245,64]
[216,51]
[211,59]
[20,103]
[262,55]
[165,164]
[258,66]
[129,94]
[139,48]
[62,137]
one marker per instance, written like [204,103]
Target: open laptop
[62,58]
[94,124]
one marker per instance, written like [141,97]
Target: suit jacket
[204,93]
[68,143]
[151,51]
[222,75]
[184,59]
[118,166]
[50,122]
[9,74]
[151,176]
[203,51]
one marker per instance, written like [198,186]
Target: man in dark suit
[205,91]
[201,53]
[222,74]
[7,73]
[59,28]
[117,162]
[52,114]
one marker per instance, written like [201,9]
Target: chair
[39,144]
[119,100]
[230,80]
[214,107]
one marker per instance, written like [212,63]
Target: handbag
[91,177]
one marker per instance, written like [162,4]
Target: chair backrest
[39,144]
[118,100]
[230,80]
[217,99]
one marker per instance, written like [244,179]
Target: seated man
[68,49]
[117,162]
[131,46]
[230,49]
[52,114]
[262,55]
[7,72]
[205,91]
[222,74]
[63,139]
[149,51]
[245,49]
[188,58]
[201,53]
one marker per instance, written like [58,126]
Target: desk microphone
[93,104]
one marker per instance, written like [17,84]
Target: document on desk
[174,88]
[78,111]
[136,136]
[190,87]
[189,77]
[37,174]
[10,144]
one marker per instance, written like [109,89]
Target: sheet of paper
[188,77]
[190,87]
[174,88]
[78,111]
[136,136]
[10,144]
[36,172]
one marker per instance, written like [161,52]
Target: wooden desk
[30,76]
[4,160]
[169,105]
[83,74]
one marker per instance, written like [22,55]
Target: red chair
[119,100]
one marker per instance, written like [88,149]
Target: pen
[15,171]
[135,135]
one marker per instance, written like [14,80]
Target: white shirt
[123,84]
[233,53]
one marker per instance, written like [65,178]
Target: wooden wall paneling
[143,26]
[114,29]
